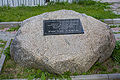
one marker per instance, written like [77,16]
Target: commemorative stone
[62,41]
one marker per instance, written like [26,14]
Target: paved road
[116,8]
[6,35]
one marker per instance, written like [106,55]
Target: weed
[13,29]
[2,45]
[43,76]
[98,65]
[75,74]
[113,26]
[116,32]
[102,20]
[116,52]
[1,41]
[1,28]
[7,52]
[114,70]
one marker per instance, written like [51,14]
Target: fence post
[18,2]
[39,2]
[13,2]
[7,3]
[2,2]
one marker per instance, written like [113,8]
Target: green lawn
[95,9]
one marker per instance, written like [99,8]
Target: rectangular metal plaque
[62,26]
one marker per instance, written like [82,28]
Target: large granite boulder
[61,53]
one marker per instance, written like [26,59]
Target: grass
[13,29]
[11,70]
[91,8]
[2,28]
[116,53]
[2,45]
[114,26]
[116,32]
[7,52]
[107,67]
[1,41]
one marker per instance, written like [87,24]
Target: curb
[86,77]
[14,24]
[9,24]
[6,35]
[110,1]
[97,77]
[2,59]
[114,76]
[112,21]
[91,77]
